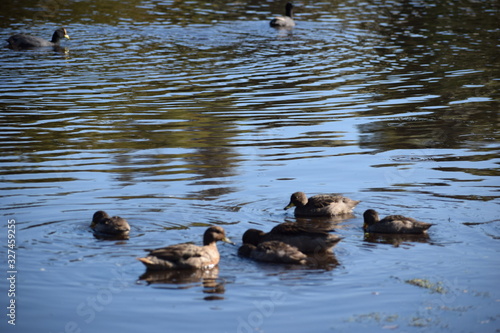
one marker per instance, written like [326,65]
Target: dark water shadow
[489,228]
[42,224]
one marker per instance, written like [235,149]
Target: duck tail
[427,225]
[145,261]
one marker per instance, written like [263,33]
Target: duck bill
[365,226]
[290,205]
[66,36]
[227,240]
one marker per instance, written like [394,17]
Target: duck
[321,205]
[22,41]
[104,225]
[284,21]
[273,252]
[306,240]
[393,224]
[186,255]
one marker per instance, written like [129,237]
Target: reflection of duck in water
[284,21]
[22,41]
[304,239]
[393,224]
[188,256]
[180,276]
[105,226]
[188,278]
[321,204]
[396,239]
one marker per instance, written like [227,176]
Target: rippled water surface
[179,115]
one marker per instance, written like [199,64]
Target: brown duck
[104,225]
[304,239]
[188,256]
[393,224]
[274,252]
[321,204]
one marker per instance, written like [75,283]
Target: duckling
[393,224]
[188,256]
[104,225]
[305,240]
[321,204]
[284,21]
[22,41]
[273,251]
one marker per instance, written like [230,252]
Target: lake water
[179,115]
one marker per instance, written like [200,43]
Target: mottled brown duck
[393,224]
[186,255]
[321,205]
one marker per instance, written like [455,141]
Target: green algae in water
[420,322]
[424,283]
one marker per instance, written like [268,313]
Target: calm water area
[177,115]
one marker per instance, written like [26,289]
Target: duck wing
[324,200]
[178,252]
[278,252]
[401,224]
[112,226]
[293,229]
[304,239]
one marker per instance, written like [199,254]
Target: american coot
[284,21]
[304,239]
[321,204]
[104,225]
[394,224]
[188,256]
[21,41]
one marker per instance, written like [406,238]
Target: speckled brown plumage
[274,252]
[104,225]
[321,204]
[393,224]
[304,239]
[188,256]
